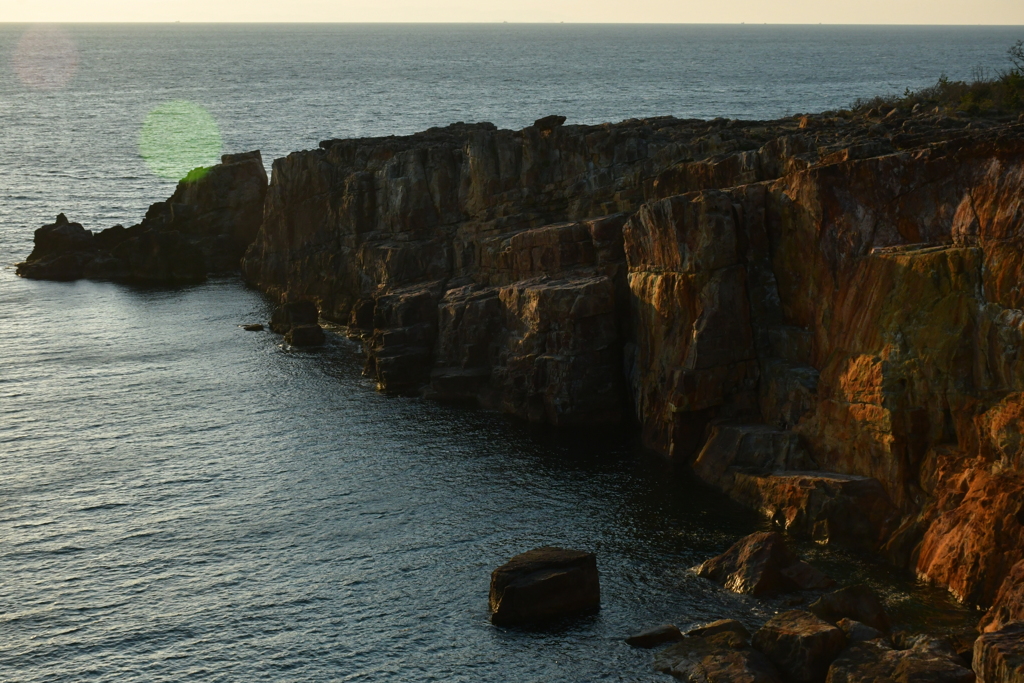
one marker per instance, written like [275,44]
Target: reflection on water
[45,58]
[186,499]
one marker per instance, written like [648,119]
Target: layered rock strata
[823,315]
[203,228]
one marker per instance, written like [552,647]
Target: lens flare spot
[45,58]
[177,137]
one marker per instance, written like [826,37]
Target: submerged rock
[544,584]
[666,633]
[720,626]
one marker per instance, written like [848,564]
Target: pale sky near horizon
[985,12]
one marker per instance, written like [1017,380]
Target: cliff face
[822,316]
[204,227]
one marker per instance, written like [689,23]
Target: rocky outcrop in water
[544,584]
[761,564]
[204,227]
[822,315]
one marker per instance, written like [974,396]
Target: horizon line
[494,23]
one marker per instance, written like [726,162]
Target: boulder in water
[544,584]
[659,635]
[752,565]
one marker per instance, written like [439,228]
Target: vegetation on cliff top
[999,96]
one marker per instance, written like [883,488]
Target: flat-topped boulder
[544,584]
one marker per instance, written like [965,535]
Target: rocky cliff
[822,315]
[204,227]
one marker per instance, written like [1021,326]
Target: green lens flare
[177,137]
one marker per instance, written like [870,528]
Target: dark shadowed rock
[204,227]
[666,633]
[863,662]
[162,258]
[722,657]
[800,644]
[805,577]
[752,565]
[720,626]
[852,602]
[60,237]
[305,335]
[925,660]
[857,632]
[999,655]
[253,327]
[549,122]
[543,584]
[292,314]
[61,251]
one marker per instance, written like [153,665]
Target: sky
[1004,12]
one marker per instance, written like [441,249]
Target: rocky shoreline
[821,315]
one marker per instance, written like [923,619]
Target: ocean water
[182,500]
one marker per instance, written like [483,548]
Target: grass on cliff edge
[999,96]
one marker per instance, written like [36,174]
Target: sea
[181,500]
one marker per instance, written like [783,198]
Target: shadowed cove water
[180,499]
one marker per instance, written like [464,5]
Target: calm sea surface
[182,500]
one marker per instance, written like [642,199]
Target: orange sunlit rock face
[822,319]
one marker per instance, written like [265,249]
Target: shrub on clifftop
[1002,95]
